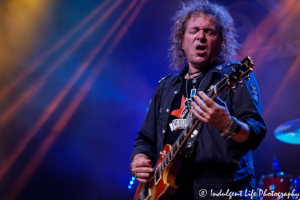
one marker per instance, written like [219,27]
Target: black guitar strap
[190,144]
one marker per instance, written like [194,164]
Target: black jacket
[216,163]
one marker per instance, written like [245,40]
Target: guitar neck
[183,137]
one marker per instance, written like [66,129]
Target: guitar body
[163,188]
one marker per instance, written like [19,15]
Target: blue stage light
[131,182]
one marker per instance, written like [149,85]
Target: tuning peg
[248,78]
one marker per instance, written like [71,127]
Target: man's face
[201,41]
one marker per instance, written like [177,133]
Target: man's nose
[201,36]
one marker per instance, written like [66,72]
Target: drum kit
[280,182]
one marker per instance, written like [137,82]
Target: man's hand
[141,167]
[211,113]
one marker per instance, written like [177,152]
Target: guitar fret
[181,139]
[167,158]
[157,173]
[187,129]
[171,155]
[165,164]
[176,146]
[159,170]
[174,151]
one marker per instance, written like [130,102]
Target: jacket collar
[211,74]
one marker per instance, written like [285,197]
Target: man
[202,42]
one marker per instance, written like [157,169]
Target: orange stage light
[263,36]
[292,71]
[17,80]
[28,94]
[54,104]
[37,158]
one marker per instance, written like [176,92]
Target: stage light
[32,68]
[131,182]
[30,92]
[64,118]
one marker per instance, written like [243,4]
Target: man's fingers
[143,175]
[208,101]
[199,116]
[143,170]
[143,163]
[201,104]
[141,180]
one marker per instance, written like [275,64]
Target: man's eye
[211,32]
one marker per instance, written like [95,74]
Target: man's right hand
[141,167]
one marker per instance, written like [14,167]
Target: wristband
[233,129]
[130,168]
[230,128]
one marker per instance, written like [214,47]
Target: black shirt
[181,108]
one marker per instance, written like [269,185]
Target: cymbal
[289,132]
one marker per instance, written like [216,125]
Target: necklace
[195,72]
[193,93]
[194,83]
[195,79]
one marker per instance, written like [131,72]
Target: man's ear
[182,43]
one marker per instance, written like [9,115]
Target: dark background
[81,149]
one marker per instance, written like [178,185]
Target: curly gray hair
[224,23]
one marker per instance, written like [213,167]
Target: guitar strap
[190,144]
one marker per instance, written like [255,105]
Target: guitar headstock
[238,71]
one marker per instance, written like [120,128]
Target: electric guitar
[161,185]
